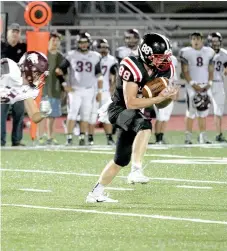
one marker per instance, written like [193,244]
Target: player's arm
[185,70]
[33,111]
[62,69]
[225,69]
[130,90]
[211,75]
[63,83]
[98,74]
[113,77]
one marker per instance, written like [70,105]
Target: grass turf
[46,229]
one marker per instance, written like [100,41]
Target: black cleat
[220,138]
[188,142]
[82,142]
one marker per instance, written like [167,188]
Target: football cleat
[42,141]
[69,142]
[110,142]
[52,141]
[202,139]
[137,176]
[220,138]
[188,142]
[91,198]
[82,142]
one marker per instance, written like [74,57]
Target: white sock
[135,167]
[98,189]
[188,135]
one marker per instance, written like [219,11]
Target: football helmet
[201,101]
[214,40]
[102,46]
[83,42]
[34,65]
[132,38]
[154,50]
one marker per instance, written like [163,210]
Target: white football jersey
[84,68]
[198,62]
[108,63]
[12,88]
[174,63]
[220,59]
[124,51]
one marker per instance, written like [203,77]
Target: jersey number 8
[124,73]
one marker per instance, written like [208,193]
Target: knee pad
[123,158]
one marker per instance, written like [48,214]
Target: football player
[109,71]
[132,40]
[85,72]
[197,67]
[134,128]
[22,81]
[218,90]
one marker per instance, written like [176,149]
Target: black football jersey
[132,70]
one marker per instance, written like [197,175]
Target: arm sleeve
[183,58]
[98,69]
[113,69]
[64,65]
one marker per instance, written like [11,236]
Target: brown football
[154,87]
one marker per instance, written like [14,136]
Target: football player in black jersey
[134,128]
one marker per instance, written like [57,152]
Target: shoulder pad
[132,64]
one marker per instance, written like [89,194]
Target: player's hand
[206,88]
[197,88]
[59,72]
[68,88]
[99,97]
[45,108]
[170,92]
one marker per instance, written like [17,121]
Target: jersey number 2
[124,73]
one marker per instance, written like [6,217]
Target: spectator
[13,49]
[52,90]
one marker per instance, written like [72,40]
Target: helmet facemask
[215,43]
[83,45]
[103,49]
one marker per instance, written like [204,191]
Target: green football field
[184,207]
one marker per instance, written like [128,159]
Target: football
[153,88]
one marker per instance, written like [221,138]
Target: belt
[217,81]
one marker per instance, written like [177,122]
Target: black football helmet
[154,50]
[83,42]
[201,101]
[132,38]
[34,65]
[214,40]
[102,46]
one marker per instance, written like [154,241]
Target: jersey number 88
[124,73]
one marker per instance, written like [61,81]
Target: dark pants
[18,116]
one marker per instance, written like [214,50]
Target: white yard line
[103,147]
[107,151]
[97,175]
[194,187]
[161,217]
[35,190]
[190,161]
[119,188]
